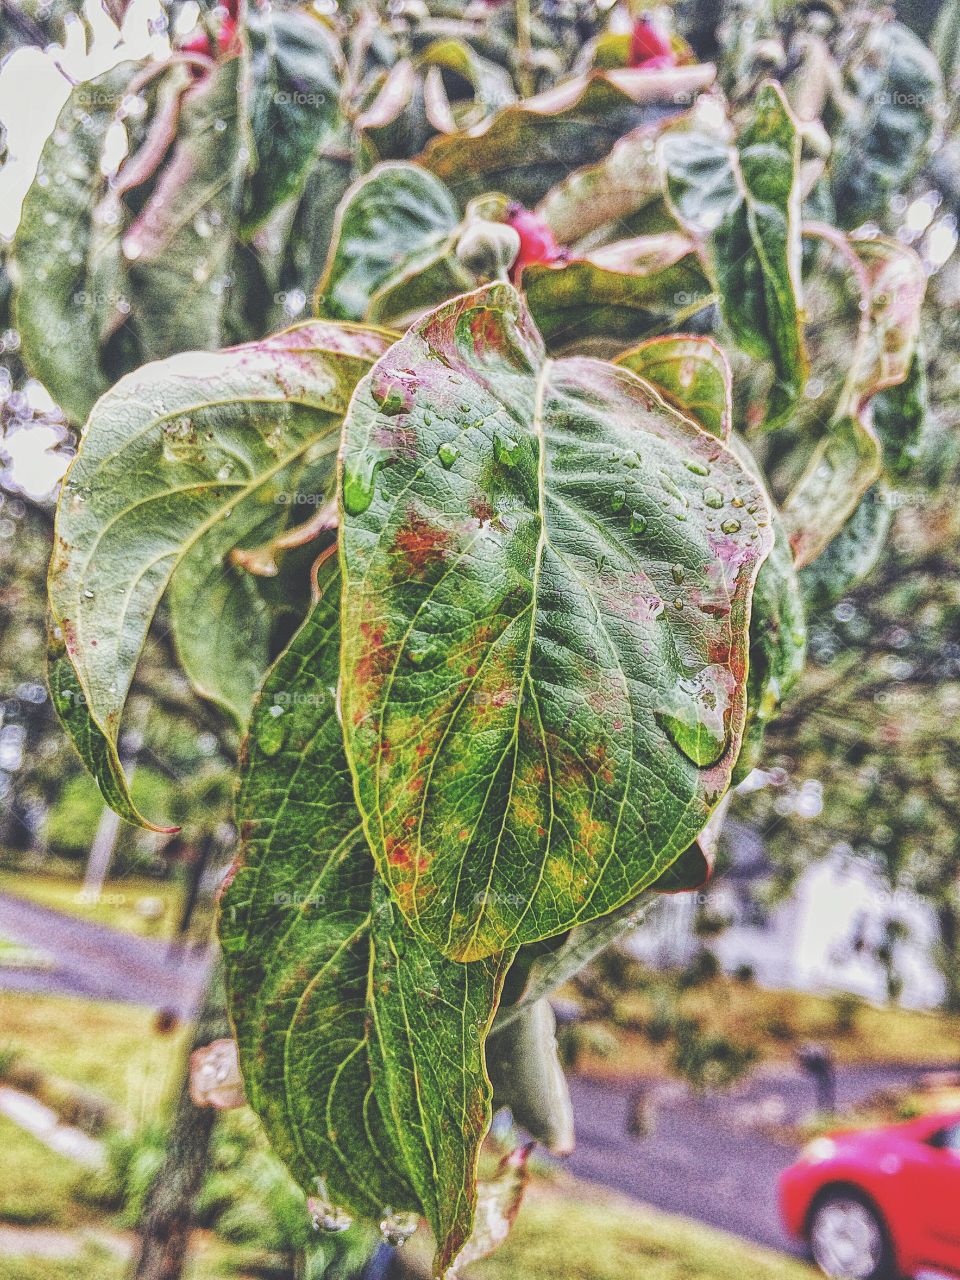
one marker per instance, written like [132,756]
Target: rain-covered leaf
[743,200]
[530,146]
[178,245]
[690,373]
[525,1070]
[548,577]
[294,102]
[361,1046]
[848,459]
[393,228]
[59,257]
[617,294]
[893,101]
[198,451]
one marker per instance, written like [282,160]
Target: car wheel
[848,1238]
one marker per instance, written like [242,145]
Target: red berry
[537,242]
[198,42]
[647,43]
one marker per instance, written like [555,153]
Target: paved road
[97,962]
[709,1158]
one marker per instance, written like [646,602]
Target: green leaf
[851,555]
[530,146]
[394,224]
[545,626]
[58,255]
[178,245]
[361,1046]
[892,104]
[900,417]
[692,374]
[848,460]
[617,294]
[295,70]
[744,200]
[200,450]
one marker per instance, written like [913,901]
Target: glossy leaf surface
[548,579]
[361,1046]
[690,373]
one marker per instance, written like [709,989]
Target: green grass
[209,1259]
[116,907]
[37,1185]
[109,1048]
[568,1228]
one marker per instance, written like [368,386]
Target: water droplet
[737,502]
[677,572]
[638,522]
[87,594]
[179,438]
[678,603]
[617,499]
[359,475]
[698,468]
[730,526]
[694,714]
[397,1228]
[271,733]
[226,471]
[713,498]
[448,455]
[506,450]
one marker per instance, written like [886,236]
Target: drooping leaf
[59,303]
[525,1070]
[744,201]
[851,555]
[361,1046]
[198,450]
[178,245]
[617,294]
[530,146]
[607,194]
[894,99]
[294,103]
[394,224]
[548,578]
[848,460]
[498,1203]
[690,373]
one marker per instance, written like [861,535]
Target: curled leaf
[692,374]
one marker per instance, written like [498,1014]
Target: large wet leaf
[361,1046]
[744,201]
[618,294]
[198,451]
[294,103]
[393,226]
[60,260]
[528,147]
[692,374]
[549,574]
[848,459]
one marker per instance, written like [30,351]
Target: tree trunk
[166,1223]
[949,922]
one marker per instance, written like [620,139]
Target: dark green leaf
[851,555]
[900,419]
[545,628]
[744,201]
[199,451]
[361,1046]
[294,103]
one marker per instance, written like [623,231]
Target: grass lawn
[109,1048]
[117,906]
[37,1184]
[569,1228]
[775,1022]
[209,1259]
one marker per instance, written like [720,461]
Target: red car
[879,1203]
